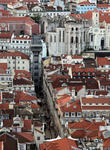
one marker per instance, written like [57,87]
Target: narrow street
[46,117]
[52,114]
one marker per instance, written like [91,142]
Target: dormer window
[72,114]
[64,84]
[66,114]
[79,114]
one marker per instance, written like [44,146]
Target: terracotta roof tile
[102,61]
[3,68]
[101,92]
[21,96]
[61,144]
[22,73]
[85,3]
[16,19]
[34,106]
[4,106]
[23,137]
[63,100]
[5,54]
[107,143]
[5,35]
[7,123]
[1,145]
[22,82]
[79,125]
[92,134]
[95,108]
[9,142]
[27,125]
[96,100]
[78,134]
[72,107]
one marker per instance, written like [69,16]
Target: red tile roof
[95,126]
[9,142]
[38,124]
[22,8]
[102,61]
[103,5]
[4,54]
[7,123]
[1,145]
[22,74]
[79,125]
[16,19]
[5,35]
[95,108]
[4,106]
[85,3]
[83,70]
[7,95]
[7,1]
[30,1]
[21,96]
[72,107]
[34,106]
[63,100]
[22,81]
[103,16]
[106,143]
[3,68]
[92,134]
[96,100]
[5,13]
[87,15]
[27,125]
[72,56]
[78,134]
[23,38]
[27,136]
[23,137]
[61,144]
[101,92]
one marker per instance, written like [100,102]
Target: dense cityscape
[54,74]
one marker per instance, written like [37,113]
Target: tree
[36,18]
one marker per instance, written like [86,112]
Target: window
[54,38]
[25,41]
[17,41]
[76,39]
[72,114]
[38,138]
[91,38]
[63,36]
[51,38]
[79,114]
[71,39]
[20,41]
[59,36]
[76,29]
[72,29]
[66,114]
[13,42]
[2,78]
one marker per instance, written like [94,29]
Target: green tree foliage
[36,18]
